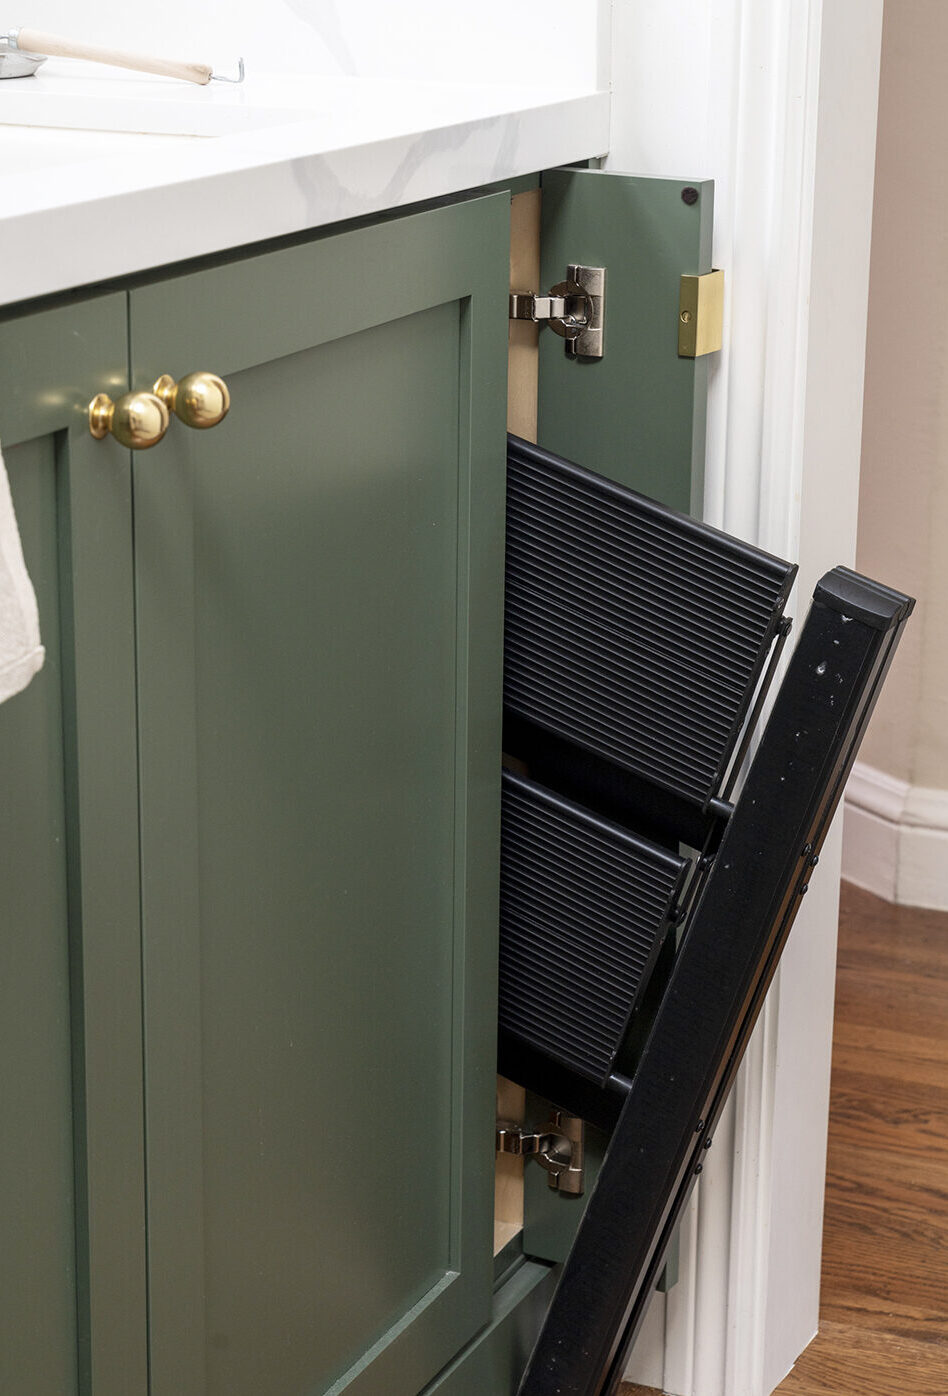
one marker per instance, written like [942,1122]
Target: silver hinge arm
[527,305]
[558,1147]
[574,309]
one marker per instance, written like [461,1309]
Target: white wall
[493,41]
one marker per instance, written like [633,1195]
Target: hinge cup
[588,344]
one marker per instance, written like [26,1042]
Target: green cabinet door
[72,1226]
[637,416]
[319,608]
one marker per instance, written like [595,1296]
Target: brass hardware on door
[700,314]
[198,400]
[136,420]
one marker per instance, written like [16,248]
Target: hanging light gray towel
[21,653]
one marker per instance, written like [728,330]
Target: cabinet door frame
[229,318]
[56,361]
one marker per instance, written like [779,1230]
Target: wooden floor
[884,1308]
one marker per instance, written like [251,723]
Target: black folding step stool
[639,648]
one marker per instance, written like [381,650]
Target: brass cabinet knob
[198,399]
[136,420]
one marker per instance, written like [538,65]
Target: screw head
[686,317]
[699,1167]
[689,195]
[699,1126]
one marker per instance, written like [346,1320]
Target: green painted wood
[319,612]
[638,414]
[494,1363]
[38,1341]
[72,1280]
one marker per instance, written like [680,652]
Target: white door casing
[776,103]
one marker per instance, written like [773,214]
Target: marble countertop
[108,173]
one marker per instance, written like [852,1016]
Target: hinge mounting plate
[558,1147]
[700,314]
[574,309]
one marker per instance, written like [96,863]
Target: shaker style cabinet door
[318,590]
[72,1224]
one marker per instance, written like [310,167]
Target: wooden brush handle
[55,46]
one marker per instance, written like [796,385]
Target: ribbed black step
[584,907]
[632,630]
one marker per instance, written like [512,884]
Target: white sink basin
[88,97]
[32,150]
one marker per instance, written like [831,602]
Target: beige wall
[903,500]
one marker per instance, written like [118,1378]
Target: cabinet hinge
[558,1147]
[574,309]
[700,314]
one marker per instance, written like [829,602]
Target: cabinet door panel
[637,415]
[319,593]
[72,1311]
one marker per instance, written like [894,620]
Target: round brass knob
[198,400]
[136,420]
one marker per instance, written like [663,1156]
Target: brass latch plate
[700,314]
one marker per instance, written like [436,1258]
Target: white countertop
[108,173]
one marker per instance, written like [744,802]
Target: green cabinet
[250,827]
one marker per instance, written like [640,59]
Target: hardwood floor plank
[905,1319]
[891,1057]
[891,1000]
[869,927]
[848,1360]
[884,1304]
[924,1136]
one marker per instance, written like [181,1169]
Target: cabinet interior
[522,365]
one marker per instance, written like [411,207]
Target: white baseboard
[895,839]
